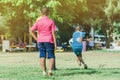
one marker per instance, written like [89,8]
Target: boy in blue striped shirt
[77,45]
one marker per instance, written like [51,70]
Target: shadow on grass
[89,71]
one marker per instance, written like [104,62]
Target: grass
[25,66]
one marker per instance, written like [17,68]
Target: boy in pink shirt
[46,39]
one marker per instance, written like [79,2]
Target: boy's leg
[81,60]
[51,64]
[43,65]
[51,57]
[42,56]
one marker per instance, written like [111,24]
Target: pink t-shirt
[45,26]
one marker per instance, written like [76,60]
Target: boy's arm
[80,39]
[33,34]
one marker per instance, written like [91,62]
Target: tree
[111,10]
[100,14]
[3,26]
[23,13]
[70,12]
[94,24]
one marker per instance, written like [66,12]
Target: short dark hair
[45,10]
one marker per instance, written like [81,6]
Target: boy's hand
[55,46]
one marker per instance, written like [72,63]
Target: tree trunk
[92,33]
[108,38]
[108,42]
[30,37]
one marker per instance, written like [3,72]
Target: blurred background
[99,19]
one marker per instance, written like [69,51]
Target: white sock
[50,71]
[44,73]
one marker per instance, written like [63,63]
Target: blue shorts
[46,47]
[77,48]
[77,51]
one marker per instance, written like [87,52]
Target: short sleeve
[53,27]
[83,34]
[34,27]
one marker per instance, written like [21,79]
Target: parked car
[99,40]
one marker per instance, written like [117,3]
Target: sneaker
[85,66]
[44,74]
[54,69]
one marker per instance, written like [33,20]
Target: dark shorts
[46,47]
[77,50]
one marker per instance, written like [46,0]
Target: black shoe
[54,69]
[85,66]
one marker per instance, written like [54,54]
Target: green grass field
[102,65]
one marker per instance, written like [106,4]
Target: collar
[44,16]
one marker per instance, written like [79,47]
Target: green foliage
[100,14]
[3,25]
[23,13]
[112,8]
[116,27]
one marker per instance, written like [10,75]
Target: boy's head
[77,28]
[44,10]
